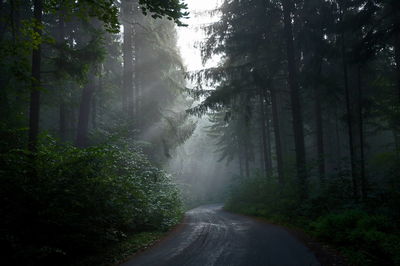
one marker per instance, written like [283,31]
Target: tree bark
[397,59]
[267,167]
[15,19]
[63,106]
[63,120]
[240,156]
[127,49]
[349,120]
[268,129]
[84,112]
[246,159]
[34,108]
[319,129]
[277,134]
[295,99]
[361,135]
[94,111]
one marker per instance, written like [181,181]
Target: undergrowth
[65,203]
[366,232]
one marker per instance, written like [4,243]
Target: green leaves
[82,199]
[172,9]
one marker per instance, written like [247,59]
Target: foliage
[364,233]
[122,250]
[172,9]
[365,239]
[72,201]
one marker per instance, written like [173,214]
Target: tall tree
[127,51]
[34,108]
[84,110]
[288,6]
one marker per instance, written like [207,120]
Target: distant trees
[325,59]
[76,36]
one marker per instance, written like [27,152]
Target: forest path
[212,236]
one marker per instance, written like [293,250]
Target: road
[211,236]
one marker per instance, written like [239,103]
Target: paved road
[211,236]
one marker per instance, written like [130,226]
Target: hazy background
[199,173]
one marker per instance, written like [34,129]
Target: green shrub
[69,201]
[364,238]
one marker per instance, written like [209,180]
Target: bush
[263,197]
[366,239]
[69,201]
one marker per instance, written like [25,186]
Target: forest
[110,133]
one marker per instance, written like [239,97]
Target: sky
[189,36]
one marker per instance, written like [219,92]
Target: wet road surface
[211,236]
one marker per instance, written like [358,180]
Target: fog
[117,116]
[196,164]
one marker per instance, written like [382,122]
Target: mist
[123,122]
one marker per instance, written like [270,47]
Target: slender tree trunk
[97,102]
[261,155]
[397,58]
[361,133]
[349,120]
[277,134]
[34,108]
[15,19]
[396,131]
[63,107]
[3,23]
[295,99]
[137,82]
[338,143]
[266,165]
[268,129]
[84,112]
[127,49]
[63,120]
[240,157]
[94,111]
[246,159]
[319,129]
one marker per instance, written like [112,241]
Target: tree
[34,108]
[295,98]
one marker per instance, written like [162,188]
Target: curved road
[211,236]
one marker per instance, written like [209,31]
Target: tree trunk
[63,120]
[361,133]
[268,129]
[84,112]
[94,111]
[277,134]
[127,50]
[137,82]
[266,166]
[319,129]
[15,20]
[397,59]
[62,109]
[349,121]
[34,108]
[240,157]
[246,159]
[295,99]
